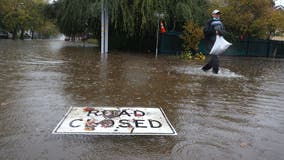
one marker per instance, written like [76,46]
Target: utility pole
[104,27]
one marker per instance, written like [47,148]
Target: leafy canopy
[22,15]
[133,18]
[253,18]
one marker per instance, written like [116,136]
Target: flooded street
[237,114]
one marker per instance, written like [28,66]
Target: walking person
[213,28]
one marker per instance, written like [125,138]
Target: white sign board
[115,121]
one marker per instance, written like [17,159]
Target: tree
[272,24]
[192,34]
[73,16]
[15,16]
[181,11]
[22,15]
[138,16]
[35,10]
[254,18]
[133,20]
[47,29]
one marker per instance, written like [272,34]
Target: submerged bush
[191,36]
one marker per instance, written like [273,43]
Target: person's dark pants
[212,63]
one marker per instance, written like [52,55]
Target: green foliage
[93,41]
[188,55]
[15,15]
[134,21]
[273,23]
[135,18]
[138,17]
[254,18]
[73,16]
[199,56]
[22,15]
[191,36]
[48,29]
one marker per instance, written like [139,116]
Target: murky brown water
[237,114]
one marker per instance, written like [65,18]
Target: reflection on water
[237,114]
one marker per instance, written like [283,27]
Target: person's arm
[208,30]
[220,30]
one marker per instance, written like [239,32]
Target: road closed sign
[115,121]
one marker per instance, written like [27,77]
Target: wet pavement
[237,114]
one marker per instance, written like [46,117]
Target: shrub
[191,36]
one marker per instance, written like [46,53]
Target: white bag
[220,45]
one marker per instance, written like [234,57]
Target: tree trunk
[33,34]
[73,38]
[22,35]
[14,34]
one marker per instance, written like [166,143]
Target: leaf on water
[244,145]
[4,104]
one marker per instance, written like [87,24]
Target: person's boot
[215,71]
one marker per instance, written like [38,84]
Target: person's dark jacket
[211,28]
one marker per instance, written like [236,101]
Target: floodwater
[237,114]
